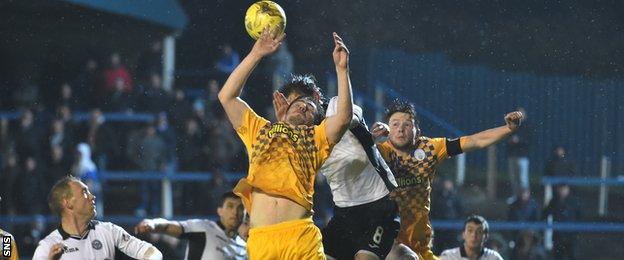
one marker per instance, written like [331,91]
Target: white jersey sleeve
[42,251]
[195,225]
[332,109]
[129,244]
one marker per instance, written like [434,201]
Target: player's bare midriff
[268,209]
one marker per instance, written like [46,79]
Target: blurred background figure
[85,169]
[228,61]
[559,165]
[564,208]
[281,66]
[528,246]
[446,205]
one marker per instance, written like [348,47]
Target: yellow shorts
[296,239]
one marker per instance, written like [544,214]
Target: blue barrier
[158,176]
[84,116]
[603,227]
[582,181]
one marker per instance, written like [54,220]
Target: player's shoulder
[450,253]
[51,239]
[491,254]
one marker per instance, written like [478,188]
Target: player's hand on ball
[514,119]
[341,53]
[267,43]
[380,132]
[280,104]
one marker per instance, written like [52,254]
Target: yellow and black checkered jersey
[414,175]
[283,158]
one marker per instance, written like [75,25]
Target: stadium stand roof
[164,12]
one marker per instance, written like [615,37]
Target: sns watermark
[6,246]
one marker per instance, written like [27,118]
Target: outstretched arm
[339,123]
[159,225]
[229,96]
[491,136]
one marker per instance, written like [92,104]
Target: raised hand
[514,119]
[267,43]
[56,251]
[280,104]
[380,132]
[341,53]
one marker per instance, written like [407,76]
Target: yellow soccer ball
[264,14]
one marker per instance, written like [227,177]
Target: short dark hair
[304,84]
[61,190]
[402,106]
[478,220]
[227,195]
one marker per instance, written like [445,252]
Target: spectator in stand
[10,184]
[116,71]
[167,134]
[58,165]
[559,165]
[84,169]
[27,93]
[31,179]
[528,247]
[180,110]
[100,138]
[281,66]
[150,62]
[229,60]
[87,83]
[524,208]
[191,158]
[26,135]
[59,135]
[154,99]
[190,148]
[518,145]
[213,107]
[149,153]
[119,100]
[563,208]
[29,235]
[446,205]
[67,98]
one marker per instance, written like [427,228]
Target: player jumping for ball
[413,159]
[284,158]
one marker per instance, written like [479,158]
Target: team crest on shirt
[419,154]
[96,244]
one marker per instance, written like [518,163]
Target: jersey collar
[462,252]
[65,235]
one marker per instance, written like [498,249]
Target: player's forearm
[344,112]
[234,84]
[486,138]
[164,226]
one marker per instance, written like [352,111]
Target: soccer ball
[264,14]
